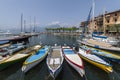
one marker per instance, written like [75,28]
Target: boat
[4,42]
[55,60]
[35,58]
[99,45]
[95,60]
[17,57]
[93,41]
[73,60]
[103,54]
[11,49]
[101,37]
[4,45]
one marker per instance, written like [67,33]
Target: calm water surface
[40,72]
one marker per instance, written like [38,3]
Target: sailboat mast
[21,22]
[104,30]
[34,24]
[30,25]
[93,8]
[24,25]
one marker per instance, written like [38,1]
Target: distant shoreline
[65,33]
[76,34]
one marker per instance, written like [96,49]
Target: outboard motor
[77,48]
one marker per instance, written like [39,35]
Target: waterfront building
[108,22]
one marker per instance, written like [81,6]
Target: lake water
[40,72]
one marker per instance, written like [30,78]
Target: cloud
[54,23]
[62,24]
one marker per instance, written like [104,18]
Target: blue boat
[4,42]
[103,54]
[35,59]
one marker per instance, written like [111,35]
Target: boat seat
[55,61]
[1,57]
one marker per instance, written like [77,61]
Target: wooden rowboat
[74,60]
[19,56]
[99,45]
[35,58]
[103,54]
[55,61]
[95,60]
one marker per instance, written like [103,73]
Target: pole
[21,22]
[24,25]
[93,8]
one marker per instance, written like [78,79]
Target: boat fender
[77,48]
[88,51]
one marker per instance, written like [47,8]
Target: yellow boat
[19,56]
[95,60]
[103,54]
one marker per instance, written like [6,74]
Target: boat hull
[101,66]
[27,67]
[109,58]
[35,59]
[56,73]
[4,65]
[115,49]
[78,69]
[56,55]
[103,54]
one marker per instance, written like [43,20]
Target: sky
[48,12]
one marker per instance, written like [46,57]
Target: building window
[115,14]
[115,20]
[107,21]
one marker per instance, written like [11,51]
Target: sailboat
[101,44]
[102,37]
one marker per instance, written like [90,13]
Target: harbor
[40,71]
[59,40]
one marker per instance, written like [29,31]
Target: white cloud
[54,23]
[63,24]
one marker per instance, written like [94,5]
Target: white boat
[74,60]
[109,40]
[95,60]
[99,45]
[55,61]
[35,58]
